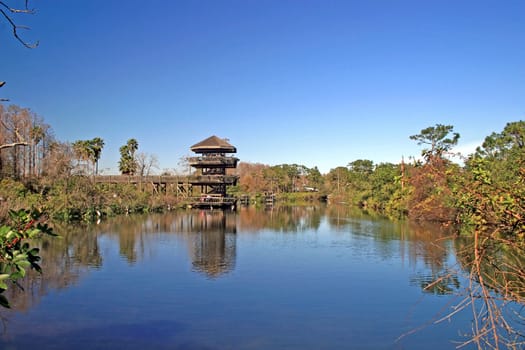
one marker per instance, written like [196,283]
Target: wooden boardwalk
[166,179]
[182,186]
[206,188]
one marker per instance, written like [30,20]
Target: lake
[286,278]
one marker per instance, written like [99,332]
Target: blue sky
[319,83]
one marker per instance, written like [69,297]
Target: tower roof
[213,144]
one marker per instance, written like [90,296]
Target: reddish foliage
[430,198]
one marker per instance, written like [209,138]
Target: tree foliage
[492,191]
[89,151]
[490,198]
[252,178]
[128,162]
[440,138]
[374,187]
[16,250]
[431,183]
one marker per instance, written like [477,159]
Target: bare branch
[14,26]
[26,9]
[2,83]
[19,142]
[14,144]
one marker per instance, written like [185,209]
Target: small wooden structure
[269,199]
[244,200]
[212,178]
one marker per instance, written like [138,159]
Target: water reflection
[326,269]
[64,261]
[434,247]
[210,238]
[427,247]
[281,218]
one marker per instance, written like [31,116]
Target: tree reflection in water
[439,263]
[495,268]
[210,237]
[426,243]
[64,260]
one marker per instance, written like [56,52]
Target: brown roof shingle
[213,144]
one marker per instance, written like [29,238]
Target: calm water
[290,278]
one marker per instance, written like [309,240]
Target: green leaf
[20,256]
[4,302]
[19,274]
[10,235]
[33,252]
[36,267]
[4,276]
[4,229]
[22,264]
[31,233]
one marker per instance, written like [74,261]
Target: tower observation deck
[211,176]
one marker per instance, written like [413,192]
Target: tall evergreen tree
[437,137]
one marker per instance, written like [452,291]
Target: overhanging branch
[6,10]
[2,83]
[14,144]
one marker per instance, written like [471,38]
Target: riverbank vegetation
[485,188]
[482,194]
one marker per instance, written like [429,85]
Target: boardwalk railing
[218,161]
[121,179]
[192,179]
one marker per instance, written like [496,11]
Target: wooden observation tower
[211,176]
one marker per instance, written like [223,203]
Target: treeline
[29,149]
[484,188]
[38,171]
[377,187]
[481,195]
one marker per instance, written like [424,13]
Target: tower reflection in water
[211,240]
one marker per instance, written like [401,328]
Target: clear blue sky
[319,83]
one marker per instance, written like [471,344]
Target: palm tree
[96,145]
[82,150]
[128,162]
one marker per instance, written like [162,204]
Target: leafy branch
[16,252]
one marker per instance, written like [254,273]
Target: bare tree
[19,140]
[145,163]
[183,165]
[58,162]
[9,12]
[12,135]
